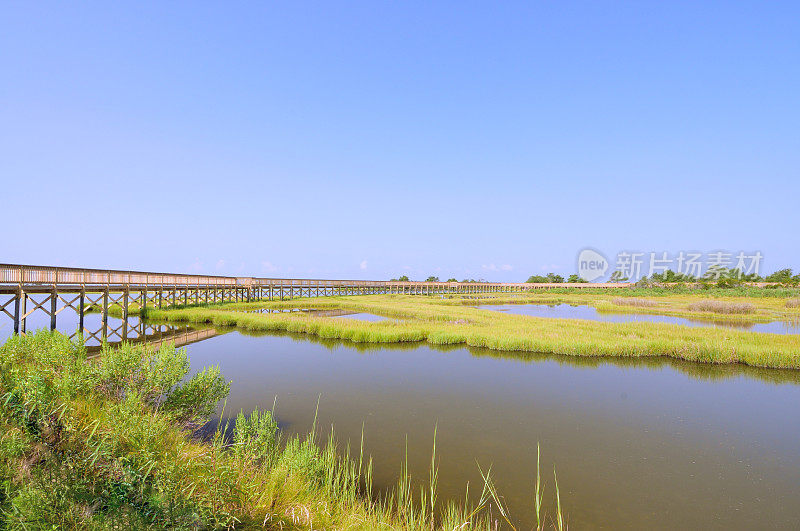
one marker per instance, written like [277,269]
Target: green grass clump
[108,442]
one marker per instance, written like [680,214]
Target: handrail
[20,274]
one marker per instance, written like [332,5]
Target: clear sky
[375,139]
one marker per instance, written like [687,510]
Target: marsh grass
[793,303]
[722,307]
[426,319]
[641,303]
[108,442]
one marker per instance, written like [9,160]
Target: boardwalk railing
[54,289]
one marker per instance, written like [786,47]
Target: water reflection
[651,442]
[697,370]
[638,443]
[133,330]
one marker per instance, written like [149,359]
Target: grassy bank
[107,443]
[666,302]
[449,321]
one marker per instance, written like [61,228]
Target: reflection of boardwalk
[161,334]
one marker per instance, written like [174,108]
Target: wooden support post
[53,303]
[125,300]
[17,300]
[105,313]
[23,309]
[81,311]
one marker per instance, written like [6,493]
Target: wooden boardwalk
[25,289]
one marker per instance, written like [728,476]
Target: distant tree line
[724,277]
[553,278]
[433,278]
[719,276]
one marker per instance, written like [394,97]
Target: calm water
[655,444]
[567,311]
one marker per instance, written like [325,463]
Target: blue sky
[374,139]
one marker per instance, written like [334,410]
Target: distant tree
[468,280]
[718,272]
[432,279]
[671,276]
[574,279]
[404,278]
[551,278]
[784,276]
[536,279]
[617,276]
[452,280]
[737,275]
[753,277]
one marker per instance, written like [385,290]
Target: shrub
[194,401]
[145,371]
[784,276]
[256,437]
